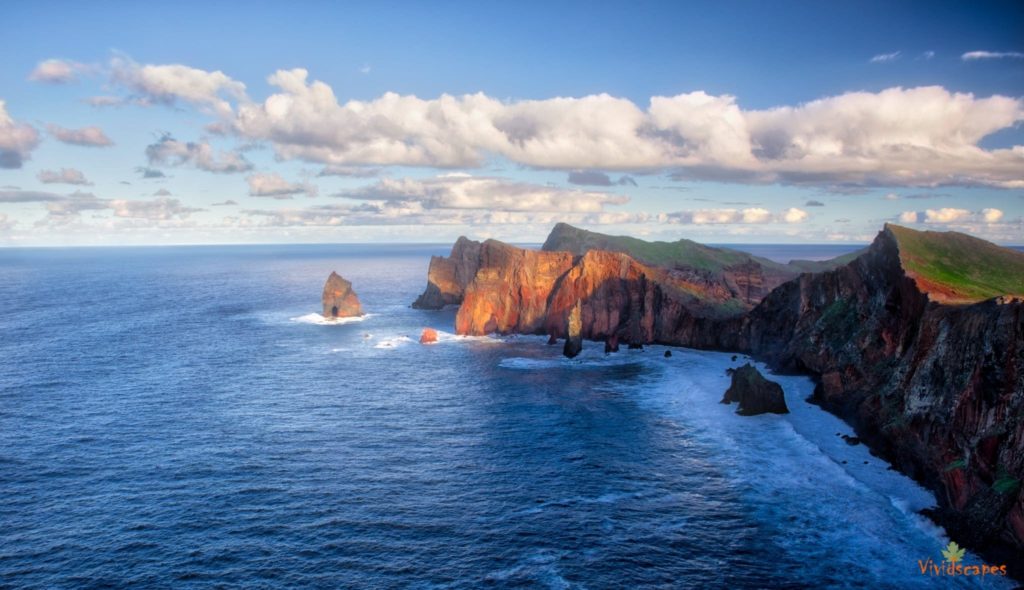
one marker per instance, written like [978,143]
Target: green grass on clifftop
[959,266]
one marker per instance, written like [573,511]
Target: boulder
[428,336]
[339,300]
[755,394]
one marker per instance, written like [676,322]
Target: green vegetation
[958,464]
[1005,483]
[962,267]
[682,253]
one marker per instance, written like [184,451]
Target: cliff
[339,300]
[918,341]
[447,277]
[930,371]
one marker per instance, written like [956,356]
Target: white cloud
[946,215]
[168,151]
[908,217]
[166,84]
[350,171]
[6,223]
[751,216]
[991,215]
[928,54]
[58,71]
[159,209]
[884,57]
[922,136]
[976,55]
[62,176]
[484,193]
[17,140]
[86,136]
[272,185]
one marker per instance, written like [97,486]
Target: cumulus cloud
[751,215]
[884,57]
[86,136]
[272,185]
[20,196]
[991,215]
[977,55]
[952,215]
[17,140]
[6,223]
[946,215]
[814,203]
[168,151]
[227,203]
[168,84]
[461,191]
[58,71]
[162,193]
[924,136]
[62,176]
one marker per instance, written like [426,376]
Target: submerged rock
[339,300]
[428,336]
[755,394]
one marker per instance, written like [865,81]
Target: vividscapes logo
[951,566]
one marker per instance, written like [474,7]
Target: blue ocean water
[177,417]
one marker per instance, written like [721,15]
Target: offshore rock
[755,394]
[429,336]
[339,300]
[573,339]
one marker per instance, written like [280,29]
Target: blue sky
[733,122]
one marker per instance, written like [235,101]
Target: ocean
[181,417]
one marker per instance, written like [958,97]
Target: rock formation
[918,342]
[339,299]
[573,338]
[936,388]
[429,336]
[755,394]
[447,277]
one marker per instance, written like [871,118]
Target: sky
[125,123]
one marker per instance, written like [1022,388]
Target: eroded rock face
[447,277]
[510,291]
[573,339]
[937,389]
[339,300]
[755,394]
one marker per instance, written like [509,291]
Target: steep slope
[447,277]
[936,388]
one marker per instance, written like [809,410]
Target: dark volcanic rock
[339,299]
[755,394]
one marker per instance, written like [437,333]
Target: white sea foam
[319,320]
[394,342]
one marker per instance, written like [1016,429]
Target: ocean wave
[319,320]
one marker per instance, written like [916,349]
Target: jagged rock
[611,344]
[755,394]
[339,300]
[573,339]
[668,354]
[447,277]
[428,336]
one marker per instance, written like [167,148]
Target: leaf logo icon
[953,552]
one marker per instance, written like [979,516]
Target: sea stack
[755,394]
[340,301]
[574,338]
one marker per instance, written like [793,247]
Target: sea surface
[180,417]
